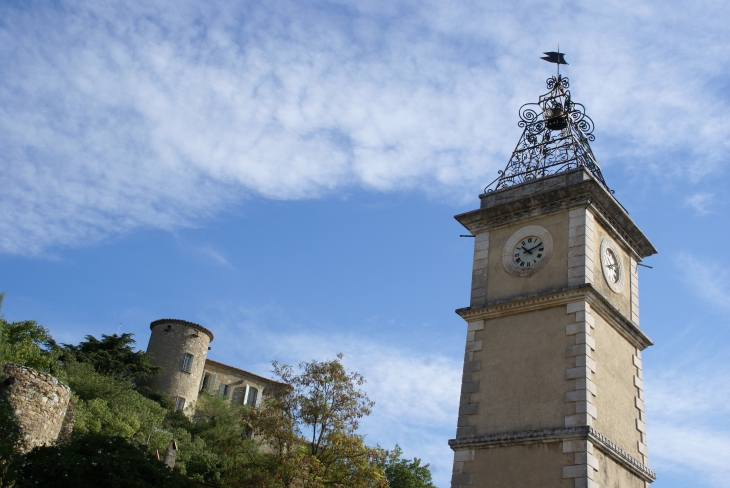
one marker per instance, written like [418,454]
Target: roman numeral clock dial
[527,251]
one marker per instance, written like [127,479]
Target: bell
[555,119]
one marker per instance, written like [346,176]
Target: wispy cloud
[709,283]
[118,116]
[700,202]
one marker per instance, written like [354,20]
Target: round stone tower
[180,348]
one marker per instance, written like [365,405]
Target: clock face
[528,252]
[612,265]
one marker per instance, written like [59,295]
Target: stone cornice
[552,194]
[601,442]
[629,330]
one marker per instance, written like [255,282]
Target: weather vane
[555,57]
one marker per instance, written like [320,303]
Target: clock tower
[552,389]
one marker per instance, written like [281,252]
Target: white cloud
[709,283]
[118,116]
[700,202]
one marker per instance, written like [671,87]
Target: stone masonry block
[639,404]
[579,372]
[583,316]
[470,336]
[577,328]
[461,479]
[466,431]
[577,446]
[586,407]
[481,245]
[464,399]
[586,361]
[462,421]
[586,458]
[458,467]
[481,254]
[472,366]
[578,307]
[578,350]
[474,346]
[468,356]
[586,483]
[637,361]
[640,374]
[464,455]
[479,264]
[641,447]
[466,377]
[577,261]
[470,387]
[578,212]
[476,325]
[578,230]
[470,409]
[585,384]
[640,394]
[577,396]
[640,426]
[578,420]
[638,382]
[582,240]
[578,471]
[576,272]
[585,339]
[478,293]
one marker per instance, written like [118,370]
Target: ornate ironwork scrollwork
[566,131]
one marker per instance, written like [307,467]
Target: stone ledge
[601,442]
[563,296]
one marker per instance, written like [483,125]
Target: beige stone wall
[535,465]
[616,393]
[520,383]
[554,275]
[238,382]
[40,402]
[169,342]
[611,475]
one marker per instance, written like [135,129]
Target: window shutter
[211,384]
[259,396]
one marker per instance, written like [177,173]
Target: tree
[113,355]
[95,460]
[110,405]
[309,429]
[28,344]
[403,473]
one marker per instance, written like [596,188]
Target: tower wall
[170,341]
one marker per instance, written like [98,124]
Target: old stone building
[181,348]
[552,389]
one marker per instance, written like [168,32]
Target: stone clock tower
[552,390]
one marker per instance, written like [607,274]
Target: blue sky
[285,173]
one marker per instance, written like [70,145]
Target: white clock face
[612,265]
[528,252]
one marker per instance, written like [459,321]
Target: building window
[205,385]
[179,403]
[223,390]
[187,362]
[252,394]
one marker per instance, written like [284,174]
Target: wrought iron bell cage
[555,139]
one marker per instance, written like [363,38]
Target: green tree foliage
[310,428]
[112,356]
[404,473]
[28,344]
[110,405]
[95,460]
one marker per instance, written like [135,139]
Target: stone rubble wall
[41,403]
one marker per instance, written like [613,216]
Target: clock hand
[533,248]
[528,251]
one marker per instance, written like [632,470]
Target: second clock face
[528,252]
[612,265]
[613,271]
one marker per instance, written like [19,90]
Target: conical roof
[555,139]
